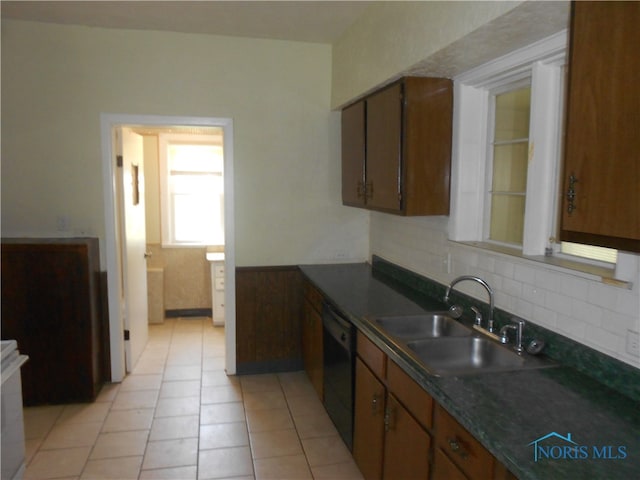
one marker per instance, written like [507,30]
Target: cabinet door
[406,448]
[427,133]
[384,140]
[602,166]
[353,155]
[368,435]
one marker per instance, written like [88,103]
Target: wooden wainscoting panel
[269,308]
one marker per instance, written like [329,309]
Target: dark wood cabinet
[407,444]
[384,149]
[401,433]
[312,340]
[390,440]
[368,445]
[52,305]
[269,305]
[458,455]
[396,148]
[353,155]
[602,154]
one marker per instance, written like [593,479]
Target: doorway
[109,122]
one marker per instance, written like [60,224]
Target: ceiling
[304,21]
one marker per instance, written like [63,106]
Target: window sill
[591,272]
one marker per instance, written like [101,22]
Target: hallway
[179,416]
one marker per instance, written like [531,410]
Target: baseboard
[188,312]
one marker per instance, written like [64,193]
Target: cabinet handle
[361,190]
[455,446]
[368,190]
[388,419]
[571,194]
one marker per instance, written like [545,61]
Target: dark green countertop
[505,411]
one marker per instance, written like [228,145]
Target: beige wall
[57,80]
[435,38]
[152,188]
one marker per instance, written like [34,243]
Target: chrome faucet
[517,325]
[487,288]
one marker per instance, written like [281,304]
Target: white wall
[57,80]
[578,306]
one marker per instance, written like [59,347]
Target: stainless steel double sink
[445,347]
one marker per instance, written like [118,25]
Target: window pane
[198,219]
[510,167]
[507,218]
[195,183]
[512,114]
[195,158]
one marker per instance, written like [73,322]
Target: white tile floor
[179,416]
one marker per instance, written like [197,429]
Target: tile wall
[575,305]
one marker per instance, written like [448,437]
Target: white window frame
[543,62]
[166,209]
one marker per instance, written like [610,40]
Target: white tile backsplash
[583,309]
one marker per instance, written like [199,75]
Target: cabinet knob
[455,446]
[375,402]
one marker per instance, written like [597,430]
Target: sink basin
[468,355]
[428,325]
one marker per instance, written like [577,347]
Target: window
[192,189]
[507,135]
[507,181]
[508,124]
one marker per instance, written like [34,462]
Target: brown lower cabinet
[457,451]
[401,433]
[389,441]
[406,444]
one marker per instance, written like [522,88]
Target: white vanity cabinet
[216,261]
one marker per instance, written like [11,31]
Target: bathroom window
[192,189]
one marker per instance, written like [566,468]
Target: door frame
[108,121]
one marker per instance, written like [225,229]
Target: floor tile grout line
[295,425]
[153,416]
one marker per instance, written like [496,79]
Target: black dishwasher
[338,378]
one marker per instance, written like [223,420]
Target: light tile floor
[179,416]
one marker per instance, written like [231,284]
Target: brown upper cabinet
[602,156]
[396,148]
